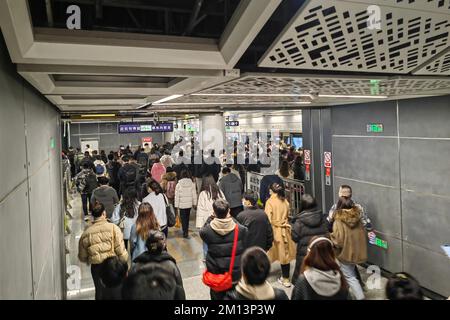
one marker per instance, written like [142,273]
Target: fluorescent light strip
[251,95]
[352,97]
[233,103]
[97,115]
[172,97]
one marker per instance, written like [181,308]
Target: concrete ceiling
[327,54]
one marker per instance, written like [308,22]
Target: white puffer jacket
[205,208]
[185,194]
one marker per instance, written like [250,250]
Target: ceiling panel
[334,35]
[332,85]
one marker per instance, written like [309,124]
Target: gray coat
[108,197]
[231,187]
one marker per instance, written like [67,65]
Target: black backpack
[130,176]
[91,183]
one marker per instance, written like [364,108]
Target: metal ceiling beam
[193,19]
[48,7]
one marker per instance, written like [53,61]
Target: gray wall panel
[425,166]
[367,159]
[389,259]
[424,221]
[108,128]
[380,203]
[418,117]
[12,135]
[353,119]
[431,269]
[15,271]
[46,288]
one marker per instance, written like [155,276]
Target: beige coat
[283,248]
[349,237]
[100,241]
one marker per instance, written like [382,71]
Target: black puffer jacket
[306,225]
[220,247]
[260,232]
[233,295]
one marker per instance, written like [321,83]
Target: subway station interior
[350,92]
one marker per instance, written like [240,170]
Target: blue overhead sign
[145,127]
[232,123]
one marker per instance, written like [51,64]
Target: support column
[212,133]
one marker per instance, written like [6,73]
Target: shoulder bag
[222,282]
[171,220]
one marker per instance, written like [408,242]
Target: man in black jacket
[307,224]
[260,232]
[128,175]
[218,233]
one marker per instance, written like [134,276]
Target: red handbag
[222,282]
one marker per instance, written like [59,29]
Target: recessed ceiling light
[351,96]
[251,95]
[172,97]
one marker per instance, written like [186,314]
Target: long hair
[146,221]
[129,203]
[155,186]
[211,188]
[321,256]
[344,203]
[278,190]
[284,169]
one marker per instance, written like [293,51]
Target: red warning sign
[327,159]
[307,156]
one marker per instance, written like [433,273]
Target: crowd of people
[129,196]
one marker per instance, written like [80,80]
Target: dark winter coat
[233,295]
[260,232]
[304,291]
[266,182]
[231,187]
[220,247]
[306,225]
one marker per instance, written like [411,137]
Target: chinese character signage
[232,123]
[145,127]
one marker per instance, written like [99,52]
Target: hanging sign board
[148,140]
[145,127]
[232,123]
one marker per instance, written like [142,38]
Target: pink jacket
[158,170]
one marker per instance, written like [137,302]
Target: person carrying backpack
[86,182]
[142,160]
[100,167]
[169,183]
[128,176]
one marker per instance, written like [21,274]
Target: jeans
[95,272]
[205,250]
[184,217]
[285,270]
[86,200]
[348,269]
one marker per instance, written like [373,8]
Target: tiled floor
[188,254]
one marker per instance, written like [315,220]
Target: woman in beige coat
[283,249]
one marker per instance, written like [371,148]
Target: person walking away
[89,150]
[157,254]
[158,200]
[103,156]
[105,195]
[86,183]
[78,157]
[219,234]
[126,213]
[142,160]
[212,166]
[158,170]
[209,193]
[140,231]
[113,166]
[299,173]
[285,171]
[321,277]
[100,241]
[309,223]
[167,159]
[113,272]
[185,200]
[169,183]
[128,175]
[283,249]
[181,163]
[89,160]
[260,233]
[253,284]
[350,242]
[231,186]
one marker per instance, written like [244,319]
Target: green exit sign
[381,243]
[375,127]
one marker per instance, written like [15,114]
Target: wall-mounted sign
[147,140]
[375,127]
[232,123]
[307,156]
[145,127]
[327,159]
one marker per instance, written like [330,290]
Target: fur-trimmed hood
[350,217]
[170,176]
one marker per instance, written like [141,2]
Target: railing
[294,189]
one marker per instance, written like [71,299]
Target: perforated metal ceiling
[338,85]
[336,35]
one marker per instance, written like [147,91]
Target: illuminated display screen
[145,127]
